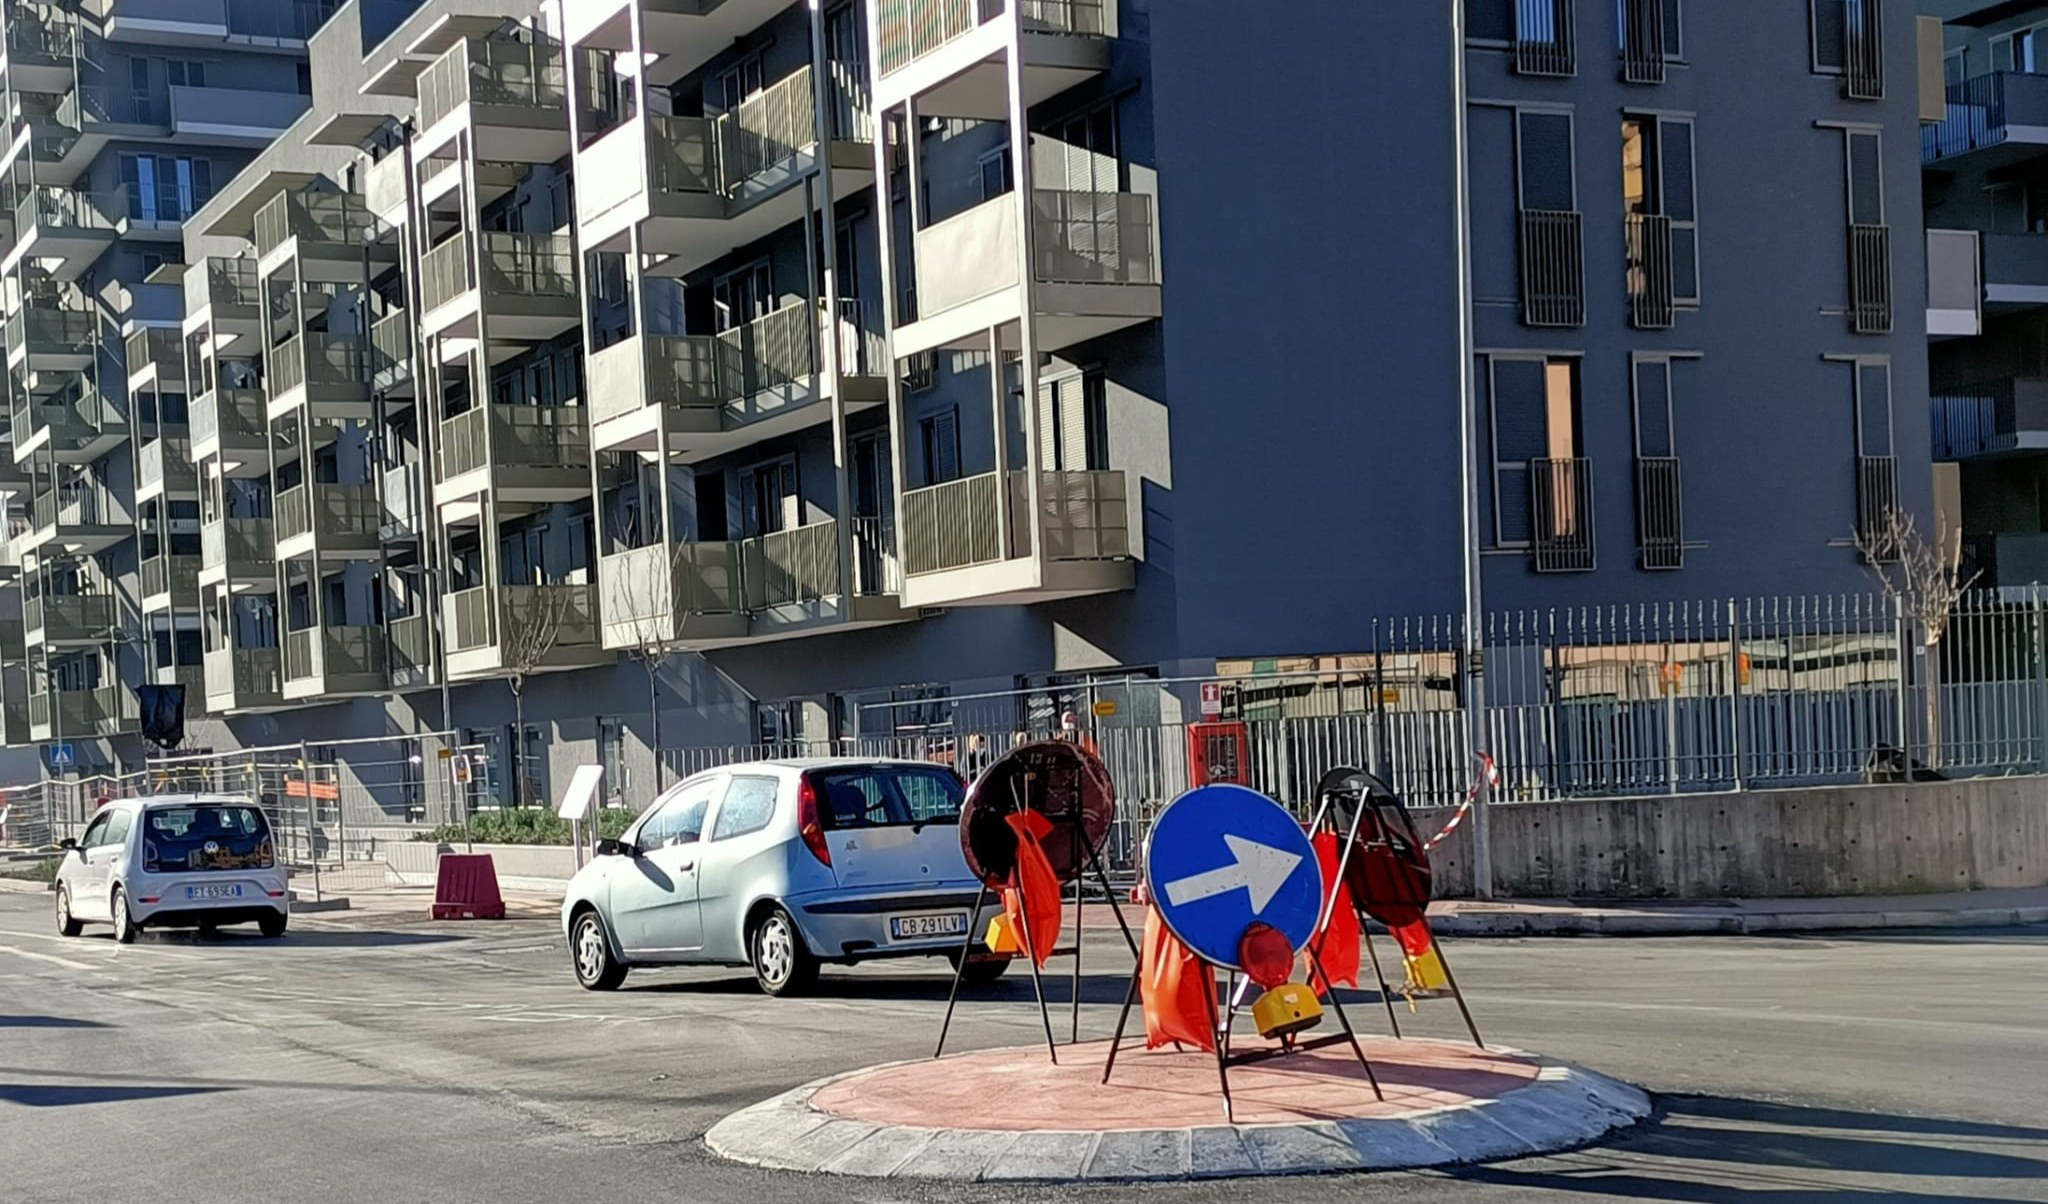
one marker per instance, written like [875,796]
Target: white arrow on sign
[1260,869]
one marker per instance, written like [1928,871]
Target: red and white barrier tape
[1488,773]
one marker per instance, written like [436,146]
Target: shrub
[528,825]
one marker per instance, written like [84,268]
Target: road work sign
[1222,857]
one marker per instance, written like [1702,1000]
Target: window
[1649,38]
[118,826]
[1543,157]
[1657,181]
[1538,31]
[1551,251]
[611,755]
[1848,40]
[1955,66]
[748,806]
[305,78]
[740,83]
[885,796]
[1829,22]
[997,174]
[938,436]
[183,73]
[769,500]
[1877,465]
[1870,242]
[678,818]
[1661,387]
[1091,152]
[1071,422]
[738,298]
[1866,177]
[165,188]
[95,832]
[533,766]
[1535,412]
[921,371]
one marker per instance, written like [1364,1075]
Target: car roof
[153,801]
[803,763]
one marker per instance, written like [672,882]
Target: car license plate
[233,891]
[912,928]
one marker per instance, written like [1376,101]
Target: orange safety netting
[1034,890]
[1172,983]
[1337,942]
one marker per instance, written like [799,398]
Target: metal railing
[278,20]
[237,540]
[1562,514]
[231,282]
[82,416]
[1877,502]
[771,352]
[952,525]
[411,654]
[1863,49]
[171,574]
[48,618]
[444,273]
[1660,513]
[166,462]
[1651,305]
[492,71]
[391,345]
[1981,113]
[333,652]
[1082,516]
[769,130]
[235,416]
[511,618]
[529,265]
[243,673]
[403,501]
[912,29]
[312,217]
[1546,42]
[513,435]
[75,505]
[1644,41]
[793,567]
[46,35]
[63,208]
[103,711]
[1094,237]
[1870,279]
[42,328]
[1553,268]
[316,358]
[876,570]
[162,348]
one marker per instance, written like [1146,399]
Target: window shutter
[1073,415]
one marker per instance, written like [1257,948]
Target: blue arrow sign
[1221,857]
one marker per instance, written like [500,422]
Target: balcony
[683,33]
[334,520]
[1561,514]
[1660,513]
[2005,561]
[1545,43]
[47,333]
[225,299]
[14,725]
[83,714]
[1991,419]
[2015,271]
[64,231]
[404,509]
[529,287]
[1955,282]
[948,53]
[726,592]
[234,116]
[533,628]
[41,50]
[411,655]
[1993,121]
[320,661]
[1645,44]
[1877,502]
[1870,279]
[243,679]
[525,453]
[698,187]
[164,466]
[717,393]
[1650,302]
[1095,268]
[155,359]
[168,581]
[69,620]
[1553,268]
[959,549]
[78,518]
[239,553]
[232,425]
[329,233]
[76,427]
[391,356]
[511,96]
[329,373]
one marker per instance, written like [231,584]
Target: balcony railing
[1553,268]
[1983,111]
[1660,513]
[1562,510]
[33,35]
[912,29]
[1870,279]
[402,502]
[233,416]
[278,20]
[333,652]
[522,621]
[231,283]
[103,711]
[1644,41]
[517,265]
[1545,41]
[171,575]
[1863,49]
[41,327]
[69,617]
[1650,302]
[247,543]
[1877,502]
[82,416]
[318,359]
[1094,237]
[493,72]
[67,209]
[166,463]
[517,436]
[411,654]
[339,511]
[75,506]
[159,347]
[956,525]
[243,672]
[391,346]
[329,219]
[1990,418]
[1959,262]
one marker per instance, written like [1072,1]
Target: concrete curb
[22,886]
[1734,923]
[1566,1106]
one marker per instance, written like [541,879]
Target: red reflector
[150,898]
[275,894]
[1265,954]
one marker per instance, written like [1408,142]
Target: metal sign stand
[1325,821]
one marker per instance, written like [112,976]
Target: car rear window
[879,796]
[206,837]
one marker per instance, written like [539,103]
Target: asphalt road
[459,1062]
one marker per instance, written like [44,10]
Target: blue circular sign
[1222,857]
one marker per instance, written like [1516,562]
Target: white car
[781,866]
[173,861]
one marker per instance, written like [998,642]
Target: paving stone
[1219,1152]
[1290,1149]
[824,1143]
[879,1153]
[1387,1144]
[1469,1134]
[1145,1154]
[959,1154]
[1054,1157]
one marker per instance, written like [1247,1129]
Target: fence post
[2040,676]
[312,819]
[1905,678]
[1735,686]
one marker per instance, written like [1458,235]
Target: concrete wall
[1823,841]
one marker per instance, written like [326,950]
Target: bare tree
[1925,578]
[528,638]
[649,626]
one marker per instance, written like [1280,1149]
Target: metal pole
[2040,676]
[1735,686]
[312,822]
[1468,445]
[1905,685]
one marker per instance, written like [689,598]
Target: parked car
[173,861]
[783,866]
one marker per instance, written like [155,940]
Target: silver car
[782,866]
[173,861]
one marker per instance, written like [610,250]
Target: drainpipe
[1468,448]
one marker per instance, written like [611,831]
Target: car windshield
[206,837]
[879,796]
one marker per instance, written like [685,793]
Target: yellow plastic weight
[1426,972]
[1002,935]
[1287,1008]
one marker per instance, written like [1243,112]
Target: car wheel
[783,964]
[272,925]
[67,924]
[125,927]
[980,972]
[590,948]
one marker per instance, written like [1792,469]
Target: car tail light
[265,858]
[149,859]
[807,823]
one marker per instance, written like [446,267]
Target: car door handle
[686,867]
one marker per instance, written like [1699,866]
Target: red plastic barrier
[466,887]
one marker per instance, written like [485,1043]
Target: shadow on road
[48,1022]
[67,1095]
[1780,1152]
[297,938]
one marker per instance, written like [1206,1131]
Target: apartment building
[123,117]
[1985,173]
[777,369]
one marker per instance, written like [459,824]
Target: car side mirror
[68,845]
[614,848]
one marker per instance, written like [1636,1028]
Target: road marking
[1261,870]
[54,960]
